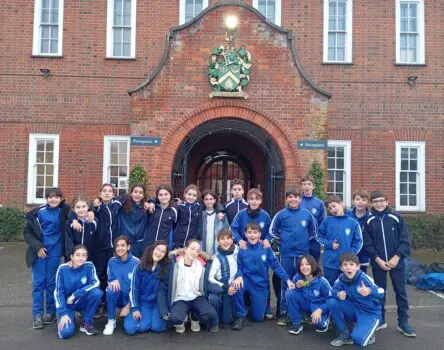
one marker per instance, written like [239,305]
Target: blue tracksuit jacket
[346,231]
[122,271]
[144,287]
[254,262]
[86,237]
[315,206]
[161,225]
[386,235]
[294,228]
[107,230]
[73,281]
[243,218]
[188,223]
[316,292]
[363,256]
[233,207]
[134,225]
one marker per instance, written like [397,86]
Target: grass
[429,257]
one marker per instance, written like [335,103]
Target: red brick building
[81,80]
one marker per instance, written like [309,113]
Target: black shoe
[37,322]
[238,324]
[88,329]
[49,318]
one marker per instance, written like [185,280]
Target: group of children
[163,264]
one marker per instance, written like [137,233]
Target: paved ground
[427,317]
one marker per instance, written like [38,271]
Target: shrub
[138,175]
[12,221]
[317,173]
[426,231]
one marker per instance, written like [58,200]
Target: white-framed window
[116,155]
[271,9]
[121,29]
[410,176]
[410,42]
[190,9]
[339,169]
[48,28]
[43,166]
[338,31]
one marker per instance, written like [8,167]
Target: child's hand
[300,284]
[137,315]
[90,216]
[238,283]
[166,317]
[114,286]
[71,299]
[96,202]
[42,253]
[232,291]
[316,316]
[335,245]
[64,322]
[76,225]
[393,262]
[290,285]
[266,243]
[342,295]
[125,310]
[149,207]
[243,244]
[220,216]
[363,290]
[382,264]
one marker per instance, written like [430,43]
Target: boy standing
[360,213]
[237,202]
[338,234]
[316,207]
[252,277]
[387,242]
[355,298]
[294,227]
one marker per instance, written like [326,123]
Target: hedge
[426,231]
[12,221]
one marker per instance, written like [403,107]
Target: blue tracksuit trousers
[258,303]
[113,301]
[366,323]
[151,321]
[223,304]
[88,304]
[43,282]
[331,275]
[199,307]
[290,266]
[298,304]
[315,249]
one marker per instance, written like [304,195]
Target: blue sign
[311,144]
[145,141]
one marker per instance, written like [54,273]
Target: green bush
[138,175]
[12,221]
[426,231]
[317,173]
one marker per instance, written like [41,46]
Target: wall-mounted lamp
[411,79]
[231,22]
[46,72]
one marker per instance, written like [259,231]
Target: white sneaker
[195,326]
[382,326]
[109,327]
[180,328]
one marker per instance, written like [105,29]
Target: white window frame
[278,14]
[32,176]
[421,32]
[182,9]
[109,31]
[107,155]
[421,195]
[36,42]
[348,36]
[347,167]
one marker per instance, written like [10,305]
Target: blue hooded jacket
[144,287]
[294,228]
[134,225]
[107,230]
[233,207]
[316,292]
[315,206]
[188,223]
[86,236]
[363,256]
[243,218]
[161,225]
[122,271]
[346,232]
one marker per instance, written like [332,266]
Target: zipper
[158,226]
[110,225]
[83,231]
[383,237]
[189,224]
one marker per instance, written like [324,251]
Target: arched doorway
[217,151]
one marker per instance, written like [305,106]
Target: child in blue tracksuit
[252,277]
[120,271]
[338,234]
[310,296]
[162,221]
[133,218]
[87,234]
[237,202]
[44,235]
[294,227]
[145,281]
[355,298]
[77,289]
[316,207]
[360,213]
[387,242]
[222,272]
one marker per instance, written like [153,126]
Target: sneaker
[296,329]
[282,321]
[322,330]
[269,313]
[195,326]
[214,329]
[406,329]
[37,322]
[238,324]
[383,325]
[306,318]
[88,329]
[372,339]
[98,314]
[109,327]
[343,339]
[49,318]
[180,328]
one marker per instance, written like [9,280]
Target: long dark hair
[315,269]
[128,203]
[146,261]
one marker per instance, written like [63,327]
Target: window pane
[45,15]
[41,145]
[39,192]
[340,163]
[123,158]
[49,157]
[412,177]
[412,188]
[40,158]
[55,4]
[117,50]
[40,181]
[414,153]
[40,170]
[403,177]
[404,165]
[123,147]
[330,187]
[413,164]
[49,181]
[403,189]
[340,54]
[331,163]
[123,171]
[339,175]
[127,35]
[331,152]
[114,170]
[412,200]
[127,5]
[126,50]
[340,187]
[49,169]
[403,200]
[331,175]
[114,181]
[54,46]
[404,25]
[49,146]
[340,152]
[114,158]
